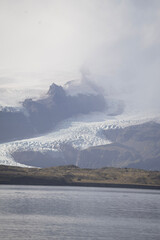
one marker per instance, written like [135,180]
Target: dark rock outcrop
[41,116]
[14,125]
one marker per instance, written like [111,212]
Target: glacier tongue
[81,132]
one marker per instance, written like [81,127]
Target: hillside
[74,176]
[136,146]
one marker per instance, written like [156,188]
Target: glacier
[80,132]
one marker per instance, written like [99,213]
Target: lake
[42,213]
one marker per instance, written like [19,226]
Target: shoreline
[76,184]
[80,177]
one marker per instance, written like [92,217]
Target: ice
[81,132]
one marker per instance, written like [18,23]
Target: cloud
[117,40]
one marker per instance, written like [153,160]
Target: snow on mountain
[80,132]
[11,97]
[15,87]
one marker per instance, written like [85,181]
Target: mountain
[85,130]
[41,116]
[14,125]
[136,146]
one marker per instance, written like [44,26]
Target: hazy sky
[117,40]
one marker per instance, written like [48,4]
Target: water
[42,213]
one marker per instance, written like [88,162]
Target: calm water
[31,212]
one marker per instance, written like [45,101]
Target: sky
[117,41]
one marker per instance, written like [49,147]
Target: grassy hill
[75,176]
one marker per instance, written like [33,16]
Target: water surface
[41,213]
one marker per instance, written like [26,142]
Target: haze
[117,41]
